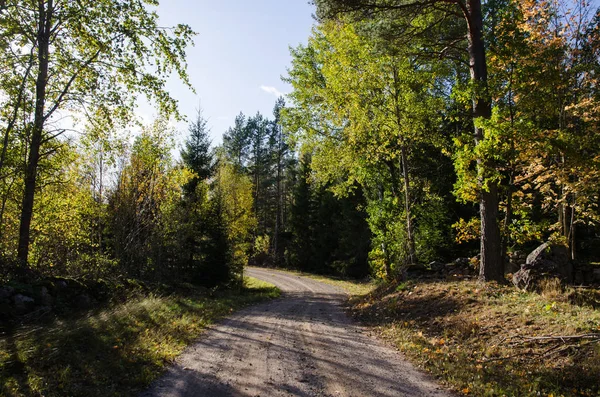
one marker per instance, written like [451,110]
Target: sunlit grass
[475,337]
[116,351]
[352,287]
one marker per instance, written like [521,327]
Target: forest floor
[490,340]
[303,344]
[113,351]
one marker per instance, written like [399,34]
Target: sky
[240,53]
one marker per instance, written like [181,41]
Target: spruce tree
[236,143]
[196,154]
[301,218]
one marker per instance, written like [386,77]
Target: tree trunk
[388,264]
[572,235]
[43,38]
[100,200]
[278,216]
[508,216]
[491,268]
[404,170]
[407,207]
[507,220]
[571,227]
[257,166]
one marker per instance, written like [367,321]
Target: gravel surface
[299,345]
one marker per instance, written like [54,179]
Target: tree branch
[65,91]
[13,119]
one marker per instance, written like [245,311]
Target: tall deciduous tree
[412,18]
[367,121]
[233,191]
[76,54]
[146,186]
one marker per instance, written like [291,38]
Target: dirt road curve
[300,345]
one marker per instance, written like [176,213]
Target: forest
[452,137]
[439,160]
[413,135]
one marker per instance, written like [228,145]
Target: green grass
[116,351]
[477,339]
[352,287]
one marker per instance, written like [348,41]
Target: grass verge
[491,340]
[352,287]
[115,351]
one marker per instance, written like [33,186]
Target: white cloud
[272,90]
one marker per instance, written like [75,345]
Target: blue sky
[240,53]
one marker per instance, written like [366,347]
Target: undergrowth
[492,340]
[115,351]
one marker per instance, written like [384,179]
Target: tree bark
[388,264]
[508,215]
[407,207]
[569,224]
[405,175]
[279,207]
[43,41]
[572,235]
[491,268]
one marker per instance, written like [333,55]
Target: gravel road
[299,345]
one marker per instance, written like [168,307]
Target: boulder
[45,297]
[516,259]
[6,293]
[462,262]
[83,301]
[60,284]
[436,266]
[546,261]
[553,258]
[23,303]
